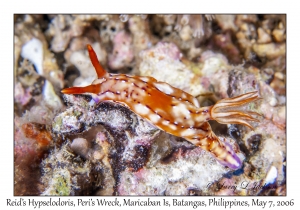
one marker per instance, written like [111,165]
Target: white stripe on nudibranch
[220,152]
[200,118]
[141,109]
[232,161]
[173,127]
[110,95]
[144,79]
[181,110]
[165,122]
[99,81]
[188,132]
[165,88]
[190,122]
[154,118]
[121,85]
[195,102]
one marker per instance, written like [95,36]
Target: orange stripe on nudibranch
[171,109]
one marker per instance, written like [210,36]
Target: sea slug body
[171,109]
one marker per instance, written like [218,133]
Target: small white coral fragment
[50,96]
[33,51]
[271,176]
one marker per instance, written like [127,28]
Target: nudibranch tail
[223,152]
[99,69]
[79,90]
[226,110]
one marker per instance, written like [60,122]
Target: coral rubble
[73,145]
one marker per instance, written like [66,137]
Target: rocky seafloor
[68,145]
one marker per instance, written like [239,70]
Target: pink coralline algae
[122,54]
[22,95]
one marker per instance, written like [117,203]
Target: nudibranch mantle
[171,109]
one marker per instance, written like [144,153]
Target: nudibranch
[171,109]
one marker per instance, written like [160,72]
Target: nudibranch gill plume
[171,109]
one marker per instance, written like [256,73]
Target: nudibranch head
[94,88]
